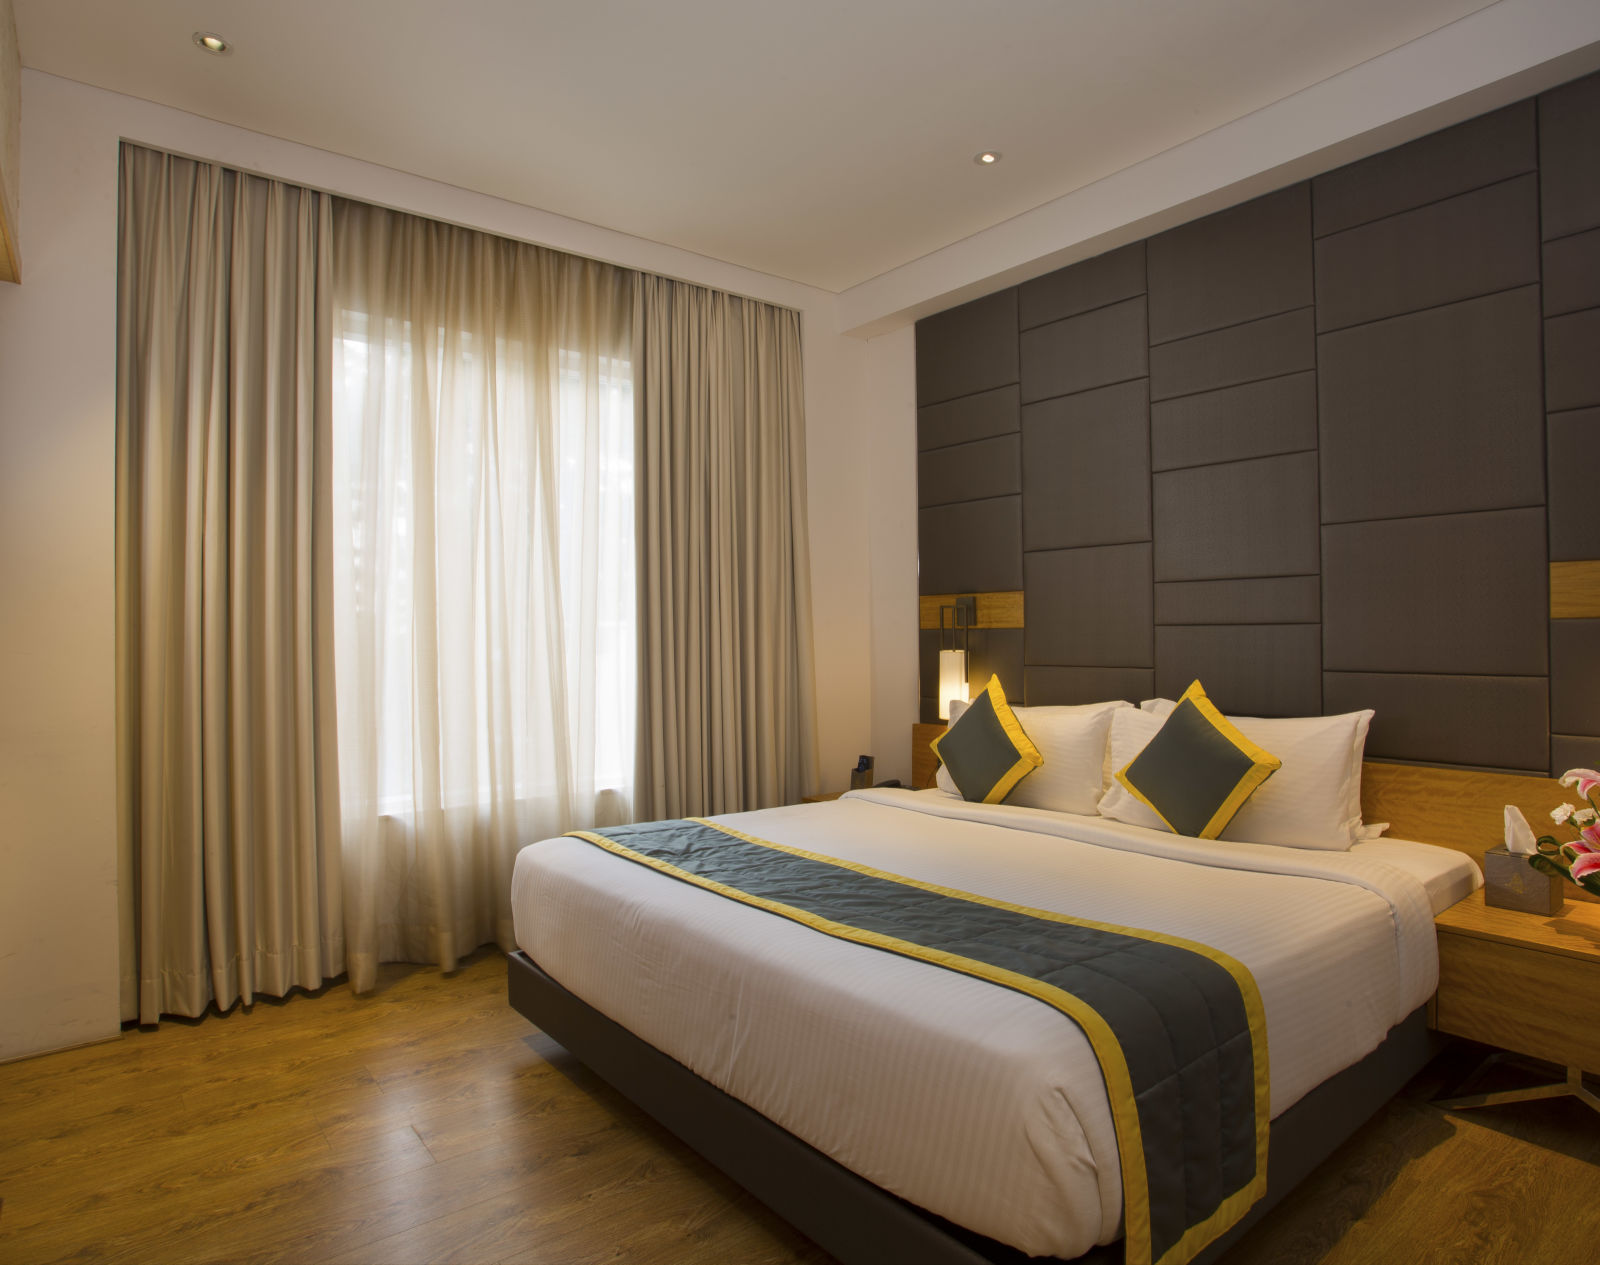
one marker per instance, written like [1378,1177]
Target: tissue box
[1509,882]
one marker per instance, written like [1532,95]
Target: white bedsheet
[968,1099]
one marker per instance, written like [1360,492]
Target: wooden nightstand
[820,799]
[1527,983]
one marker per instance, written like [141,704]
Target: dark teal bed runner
[1177,1026]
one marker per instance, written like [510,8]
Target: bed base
[862,1224]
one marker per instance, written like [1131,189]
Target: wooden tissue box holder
[1509,882]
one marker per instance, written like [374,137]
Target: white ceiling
[825,141]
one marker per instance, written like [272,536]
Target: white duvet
[973,1101]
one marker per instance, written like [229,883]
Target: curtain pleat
[484,491]
[227,750]
[726,690]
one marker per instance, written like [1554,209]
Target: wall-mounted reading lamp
[955,643]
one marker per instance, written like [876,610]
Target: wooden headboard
[1454,808]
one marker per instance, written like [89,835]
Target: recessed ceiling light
[214,44]
[986,159]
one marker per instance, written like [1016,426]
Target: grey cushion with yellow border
[1198,770]
[986,750]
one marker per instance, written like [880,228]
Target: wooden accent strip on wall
[1574,590]
[995,610]
[924,763]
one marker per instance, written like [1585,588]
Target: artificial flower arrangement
[1576,860]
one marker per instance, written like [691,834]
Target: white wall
[58,855]
[889,448]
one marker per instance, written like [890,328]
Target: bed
[894,1110]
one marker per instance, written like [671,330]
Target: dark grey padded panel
[1572,360]
[970,472]
[1108,278]
[1499,722]
[1248,669]
[967,349]
[1477,243]
[1574,675]
[997,651]
[1258,419]
[1103,346]
[1086,468]
[1062,686]
[996,412]
[1432,413]
[1245,518]
[1245,353]
[1090,607]
[1571,751]
[1574,525]
[974,547]
[1246,262]
[1569,157]
[928,711]
[1459,593]
[1572,273]
[1289,599]
[1470,155]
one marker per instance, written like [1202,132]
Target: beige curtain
[227,788]
[484,489]
[726,696]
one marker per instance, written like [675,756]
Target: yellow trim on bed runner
[1113,1064]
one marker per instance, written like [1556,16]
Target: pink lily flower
[1586,862]
[1584,779]
[1591,836]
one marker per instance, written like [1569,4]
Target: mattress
[970,1100]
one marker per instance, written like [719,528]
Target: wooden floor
[429,1122]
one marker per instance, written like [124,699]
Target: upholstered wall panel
[1574,675]
[1572,272]
[972,547]
[970,472]
[1500,722]
[1058,686]
[1090,607]
[1434,412]
[1081,352]
[1292,599]
[1086,468]
[1260,349]
[1459,593]
[1474,244]
[1247,669]
[968,349]
[1244,518]
[1319,450]
[1468,156]
[1572,360]
[1574,460]
[1097,282]
[971,417]
[1569,157]
[1258,419]
[997,652]
[1570,752]
[1246,262]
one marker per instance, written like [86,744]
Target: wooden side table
[820,799]
[1527,983]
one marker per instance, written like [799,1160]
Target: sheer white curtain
[483,490]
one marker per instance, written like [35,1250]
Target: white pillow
[1313,801]
[1077,759]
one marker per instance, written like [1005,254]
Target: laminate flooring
[429,1122]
